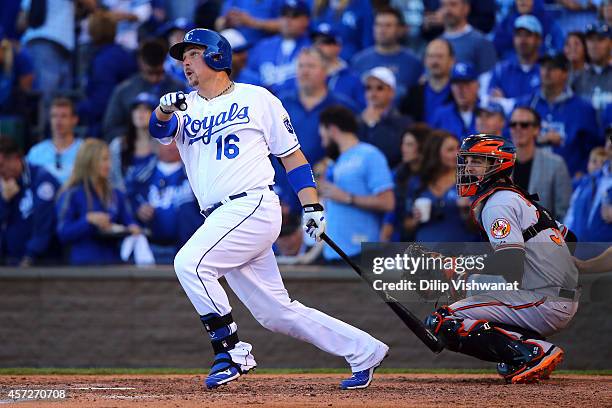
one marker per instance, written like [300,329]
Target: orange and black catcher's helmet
[499,156]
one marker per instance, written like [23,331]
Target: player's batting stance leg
[224,133]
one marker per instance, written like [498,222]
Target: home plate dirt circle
[310,390]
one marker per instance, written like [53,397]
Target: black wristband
[163,111]
[312,207]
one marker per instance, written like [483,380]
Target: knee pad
[480,338]
[222,331]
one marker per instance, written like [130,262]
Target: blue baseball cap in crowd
[599,29]
[326,32]
[145,98]
[490,106]
[236,40]
[295,8]
[529,23]
[180,23]
[463,72]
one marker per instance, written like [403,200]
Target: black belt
[209,210]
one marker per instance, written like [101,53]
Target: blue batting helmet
[218,53]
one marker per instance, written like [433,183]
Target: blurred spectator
[340,78]
[381,124]
[519,74]
[469,44]
[274,58]
[595,83]
[254,19]
[151,78]
[424,99]
[459,117]
[304,106]
[133,154]
[481,16]
[184,9]
[414,14]
[552,35]
[129,15]
[590,213]
[490,118]
[388,52]
[51,44]
[16,76]
[597,158]
[577,14]
[393,225]
[351,18]
[92,216]
[173,32]
[240,58]
[606,12]
[104,71]
[576,52]
[569,123]
[448,216]
[537,170]
[27,213]
[606,117]
[358,186]
[165,204]
[57,155]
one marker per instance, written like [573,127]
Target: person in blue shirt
[133,154]
[588,214]
[161,204]
[358,188]
[304,106]
[57,154]
[388,52]
[519,75]
[469,44]
[459,118]
[353,21]
[27,211]
[255,19]
[380,124]
[341,79]
[448,220]
[423,100]
[92,217]
[552,34]
[274,58]
[240,58]
[103,73]
[569,123]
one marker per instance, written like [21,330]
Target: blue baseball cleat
[361,379]
[223,371]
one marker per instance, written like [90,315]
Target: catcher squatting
[229,171]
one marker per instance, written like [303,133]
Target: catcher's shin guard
[482,339]
[224,337]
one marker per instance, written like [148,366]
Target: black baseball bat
[414,323]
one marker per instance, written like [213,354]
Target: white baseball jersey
[225,142]
[548,262]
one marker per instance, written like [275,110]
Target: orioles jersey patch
[500,228]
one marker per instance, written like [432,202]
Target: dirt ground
[311,390]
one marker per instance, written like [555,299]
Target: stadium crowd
[381,93]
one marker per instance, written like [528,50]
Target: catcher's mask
[498,156]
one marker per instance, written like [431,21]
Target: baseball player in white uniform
[509,327]
[224,132]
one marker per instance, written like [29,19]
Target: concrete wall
[128,317]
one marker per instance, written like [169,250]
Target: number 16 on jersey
[227,146]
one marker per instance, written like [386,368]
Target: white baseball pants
[236,242]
